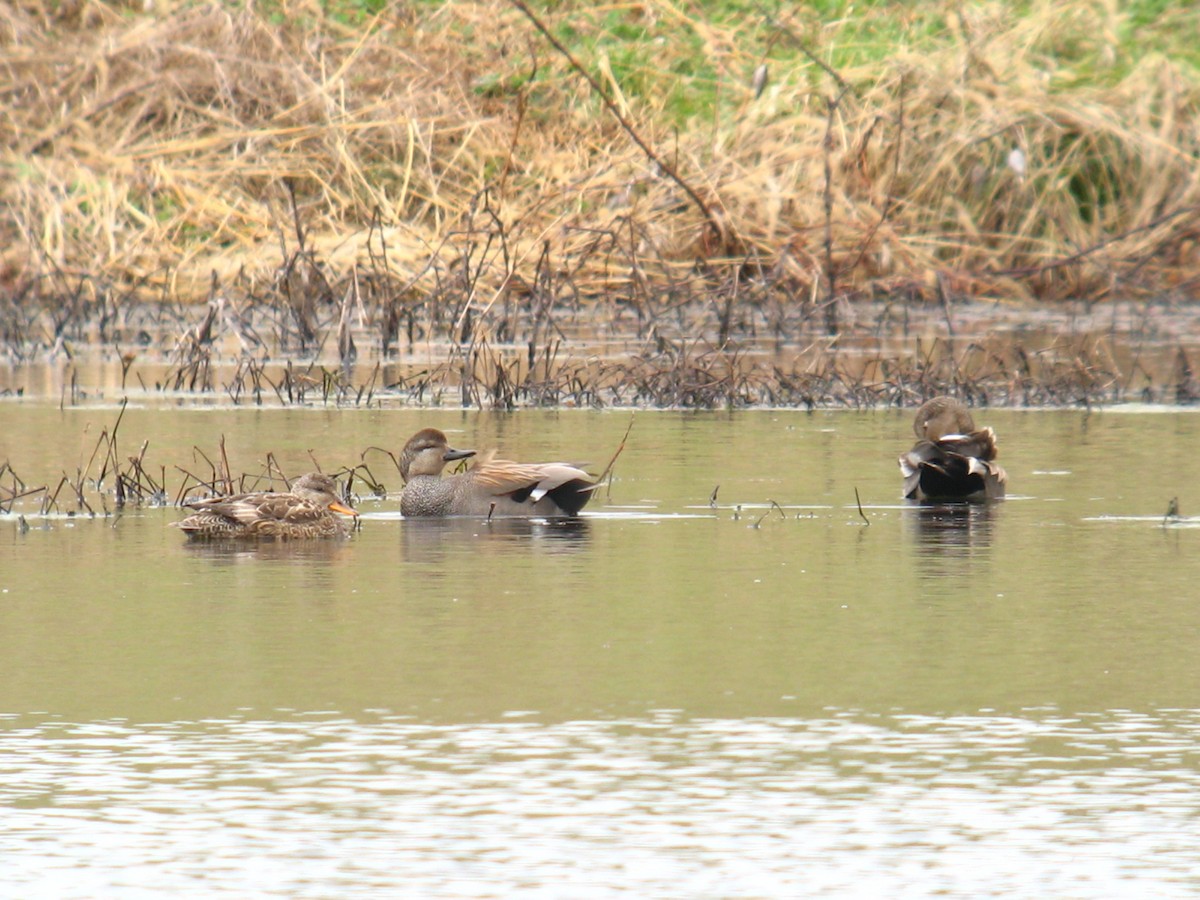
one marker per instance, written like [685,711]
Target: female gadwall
[951,459]
[306,511]
[491,487]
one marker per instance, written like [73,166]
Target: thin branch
[717,231]
[612,461]
[1099,245]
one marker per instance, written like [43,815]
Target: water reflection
[236,551]
[950,537]
[433,540]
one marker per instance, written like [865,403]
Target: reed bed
[285,178]
[360,342]
[154,149]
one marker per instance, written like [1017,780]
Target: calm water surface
[665,699]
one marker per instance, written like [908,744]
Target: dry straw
[527,224]
[154,148]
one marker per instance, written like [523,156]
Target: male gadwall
[491,487]
[306,511]
[951,459]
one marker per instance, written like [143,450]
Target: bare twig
[718,231]
[620,448]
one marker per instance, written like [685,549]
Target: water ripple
[854,805]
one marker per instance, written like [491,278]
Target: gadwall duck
[306,511]
[491,487]
[952,460]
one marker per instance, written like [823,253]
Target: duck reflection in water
[954,528]
[230,551]
[952,539]
[952,459]
[438,539]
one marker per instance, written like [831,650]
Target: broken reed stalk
[18,491]
[858,501]
[50,500]
[1172,511]
[620,449]
[364,474]
[80,499]
[214,479]
[274,471]
[110,439]
[388,453]
[225,473]
[189,480]
[140,482]
[6,504]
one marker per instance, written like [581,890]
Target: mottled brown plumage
[308,510]
[952,459]
[491,487]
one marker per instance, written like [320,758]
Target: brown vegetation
[443,174]
[152,149]
[131,481]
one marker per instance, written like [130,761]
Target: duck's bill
[338,507]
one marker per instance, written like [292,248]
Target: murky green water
[665,700]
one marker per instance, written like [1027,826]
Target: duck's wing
[247,509]
[923,453]
[232,506]
[566,486]
[502,476]
[949,474]
[995,479]
[980,444]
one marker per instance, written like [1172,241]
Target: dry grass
[153,149]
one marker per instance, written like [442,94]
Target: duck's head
[427,453]
[319,488]
[942,416]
